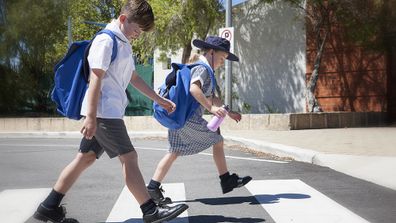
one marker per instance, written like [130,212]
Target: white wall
[270,42]
[159,73]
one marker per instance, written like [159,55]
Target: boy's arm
[95,82]
[139,84]
[196,92]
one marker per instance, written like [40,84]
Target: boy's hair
[140,12]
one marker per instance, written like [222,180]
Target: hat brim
[204,45]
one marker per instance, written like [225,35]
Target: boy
[194,136]
[103,107]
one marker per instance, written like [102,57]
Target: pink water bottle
[215,122]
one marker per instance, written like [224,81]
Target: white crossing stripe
[127,209]
[17,206]
[294,201]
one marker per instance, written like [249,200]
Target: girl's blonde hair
[194,58]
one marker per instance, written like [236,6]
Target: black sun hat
[216,43]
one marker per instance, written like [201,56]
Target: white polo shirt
[112,99]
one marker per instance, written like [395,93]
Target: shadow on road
[203,219]
[258,199]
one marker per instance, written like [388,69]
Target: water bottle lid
[226,107]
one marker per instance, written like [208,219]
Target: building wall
[276,60]
[271,43]
[391,66]
[350,78]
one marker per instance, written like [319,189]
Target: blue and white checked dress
[195,137]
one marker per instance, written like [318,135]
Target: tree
[100,11]
[177,23]
[320,17]
[29,30]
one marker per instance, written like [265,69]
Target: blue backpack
[177,89]
[72,76]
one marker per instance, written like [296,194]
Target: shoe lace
[161,189]
[235,175]
[62,210]
[66,220]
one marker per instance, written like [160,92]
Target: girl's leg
[163,166]
[72,171]
[228,182]
[154,188]
[219,158]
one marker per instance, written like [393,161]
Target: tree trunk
[313,104]
[186,52]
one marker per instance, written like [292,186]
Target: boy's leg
[50,209]
[228,182]
[71,172]
[133,177]
[154,188]
[135,183]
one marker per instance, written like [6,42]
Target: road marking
[140,148]
[17,206]
[40,145]
[294,201]
[127,209]
[230,157]
[246,158]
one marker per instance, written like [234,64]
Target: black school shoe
[234,181]
[164,213]
[56,215]
[158,197]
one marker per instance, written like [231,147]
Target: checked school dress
[194,136]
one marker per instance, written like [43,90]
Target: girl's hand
[167,104]
[218,111]
[235,115]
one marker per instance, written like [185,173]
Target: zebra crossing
[18,205]
[285,201]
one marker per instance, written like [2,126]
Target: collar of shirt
[203,59]
[113,26]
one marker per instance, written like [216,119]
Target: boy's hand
[89,127]
[167,104]
[235,116]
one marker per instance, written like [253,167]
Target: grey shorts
[111,136]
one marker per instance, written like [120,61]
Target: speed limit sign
[228,33]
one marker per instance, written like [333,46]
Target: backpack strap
[113,53]
[115,44]
[170,79]
[211,74]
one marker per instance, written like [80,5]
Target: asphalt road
[281,190]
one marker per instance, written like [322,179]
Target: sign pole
[69,30]
[228,65]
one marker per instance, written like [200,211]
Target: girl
[195,137]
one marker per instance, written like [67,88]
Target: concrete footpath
[365,153]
